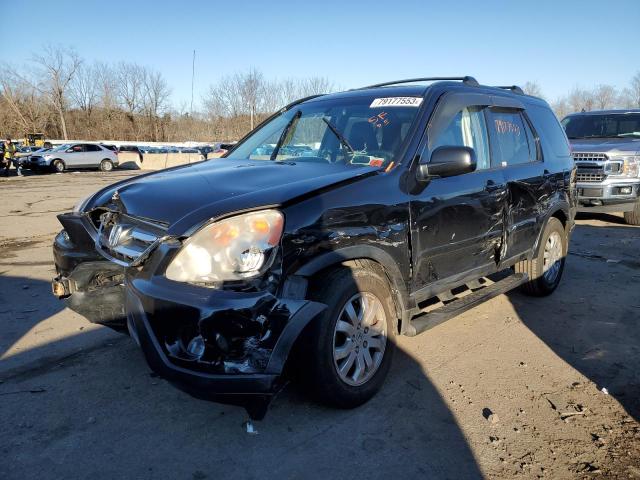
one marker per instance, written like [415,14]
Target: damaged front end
[221,341]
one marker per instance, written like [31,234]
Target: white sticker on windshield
[396,102]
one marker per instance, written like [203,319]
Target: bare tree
[533,89]
[561,108]
[24,109]
[129,82]
[579,100]
[604,96]
[634,91]
[155,100]
[57,67]
[251,87]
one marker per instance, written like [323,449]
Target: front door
[457,222]
[74,156]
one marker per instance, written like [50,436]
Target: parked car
[225,272]
[76,155]
[25,151]
[606,149]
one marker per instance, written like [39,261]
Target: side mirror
[448,161]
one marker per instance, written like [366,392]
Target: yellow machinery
[34,139]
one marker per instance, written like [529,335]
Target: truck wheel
[349,347]
[545,271]
[58,166]
[106,165]
[633,217]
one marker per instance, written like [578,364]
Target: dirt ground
[529,387]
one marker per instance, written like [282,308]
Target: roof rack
[467,80]
[513,88]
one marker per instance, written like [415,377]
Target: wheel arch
[363,256]
[560,211]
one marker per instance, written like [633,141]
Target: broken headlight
[630,165]
[236,248]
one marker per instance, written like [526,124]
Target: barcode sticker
[396,102]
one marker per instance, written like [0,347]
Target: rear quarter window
[552,137]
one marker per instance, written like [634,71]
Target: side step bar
[424,322]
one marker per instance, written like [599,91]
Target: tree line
[600,97]
[62,95]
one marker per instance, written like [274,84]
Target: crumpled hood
[611,146]
[186,196]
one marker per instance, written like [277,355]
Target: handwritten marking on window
[503,126]
[379,120]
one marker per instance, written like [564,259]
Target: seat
[363,137]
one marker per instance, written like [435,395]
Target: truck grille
[589,177]
[589,157]
[126,240]
[591,167]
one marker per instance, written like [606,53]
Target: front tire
[350,347]
[633,217]
[58,166]
[106,165]
[545,270]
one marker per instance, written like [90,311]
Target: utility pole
[193,73]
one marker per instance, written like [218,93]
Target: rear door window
[92,148]
[512,140]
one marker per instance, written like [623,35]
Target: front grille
[126,240]
[589,177]
[589,157]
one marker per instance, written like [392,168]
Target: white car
[77,155]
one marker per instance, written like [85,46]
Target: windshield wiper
[340,137]
[284,133]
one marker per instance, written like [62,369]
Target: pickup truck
[606,149]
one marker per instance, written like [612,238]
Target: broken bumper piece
[228,347]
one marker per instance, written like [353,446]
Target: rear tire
[346,364]
[58,166]
[633,217]
[545,270]
[106,165]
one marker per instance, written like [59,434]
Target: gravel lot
[512,387]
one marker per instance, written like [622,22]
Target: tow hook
[60,287]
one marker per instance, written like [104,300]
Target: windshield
[61,147]
[603,126]
[355,131]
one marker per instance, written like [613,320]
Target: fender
[335,257]
[560,205]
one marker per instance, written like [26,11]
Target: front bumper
[609,196]
[245,337]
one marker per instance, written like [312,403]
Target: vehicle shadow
[107,396]
[25,305]
[145,428]
[592,321]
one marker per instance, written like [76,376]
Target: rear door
[457,222]
[93,155]
[516,151]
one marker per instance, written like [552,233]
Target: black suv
[340,222]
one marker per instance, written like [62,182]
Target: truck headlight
[236,248]
[630,165]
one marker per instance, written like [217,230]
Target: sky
[558,44]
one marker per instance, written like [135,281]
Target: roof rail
[467,80]
[513,88]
